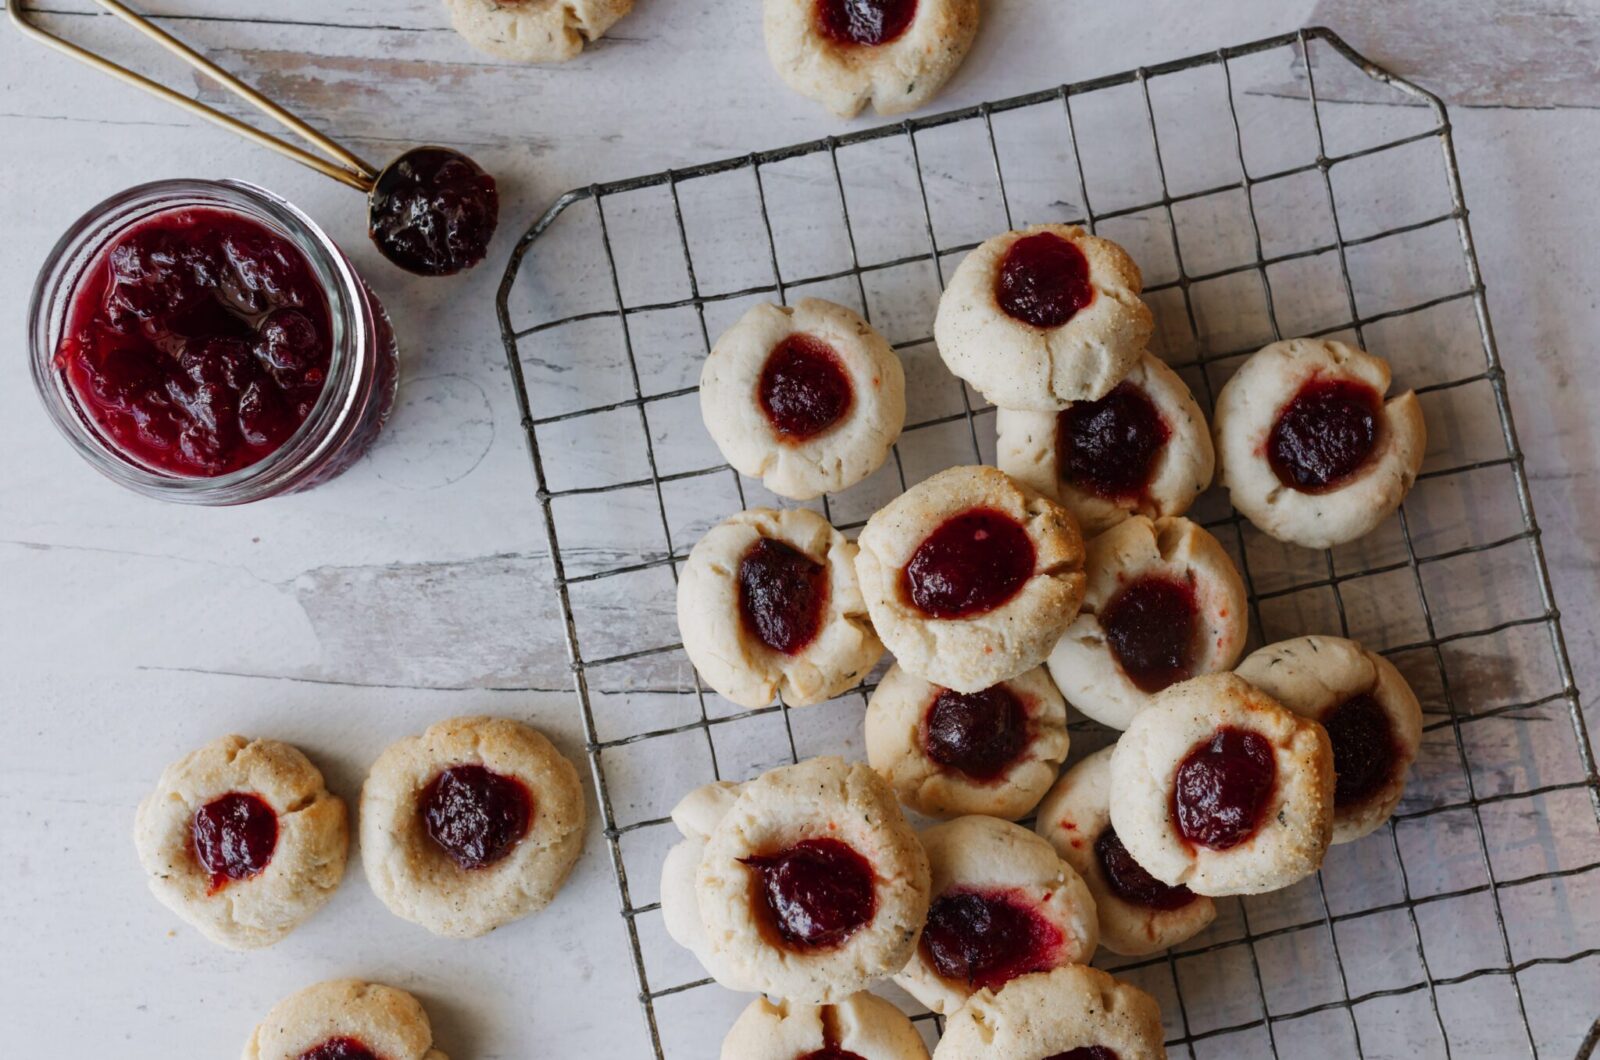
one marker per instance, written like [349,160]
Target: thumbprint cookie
[534,31]
[1071,1013]
[345,1019]
[863,1026]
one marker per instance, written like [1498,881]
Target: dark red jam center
[782,595]
[1224,787]
[832,1052]
[867,22]
[972,563]
[980,734]
[1110,447]
[1086,1052]
[804,389]
[1363,749]
[197,342]
[1043,280]
[1324,434]
[987,939]
[1153,625]
[475,815]
[434,211]
[1130,882]
[816,893]
[234,837]
[339,1049]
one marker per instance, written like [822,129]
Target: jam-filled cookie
[1309,448]
[1039,318]
[862,1026]
[1071,1013]
[242,840]
[895,54]
[768,604]
[1142,449]
[1138,913]
[471,825]
[345,1019]
[808,398]
[1371,715]
[949,753]
[1004,905]
[971,578]
[1164,604]
[1218,787]
[534,31]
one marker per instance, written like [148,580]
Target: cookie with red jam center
[1072,1012]
[345,1019]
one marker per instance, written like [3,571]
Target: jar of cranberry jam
[206,342]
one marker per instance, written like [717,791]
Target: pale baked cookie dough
[1017,364]
[1371,715]
[862,1025]
[1180,734]
[1248,412]
[534,31]
[991,876]
[386,1022]
[803,441]
[226,790]
[994,752]
[985,645]
[1173,469]
[1054,1014]
[494,872]
[894,62]
[1138,914]
[769,604]
[1183,563]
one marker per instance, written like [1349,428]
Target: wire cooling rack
[1260,204]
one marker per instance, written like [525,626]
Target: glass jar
[363,367]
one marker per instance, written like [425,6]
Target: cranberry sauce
[1129,881]
[1324,434]
[339,1049]
[1086,1052]
[234,837]
[1364,750]
[1043,280]
[971,563]
[869,22]
[474,815]
[980,734]
[433,211]
[197,342]
[782,595]
[1153,627]
[988,938]
[817,893]
[1224,787]
[1110,447]
[804,389]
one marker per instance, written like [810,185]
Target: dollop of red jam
[869,22]
[475,815]
[1109,447]
[1087,1052]
[234,837]
[980,734]
[1043,280]
[1364,750]
[986,939]
[1224,787]
[817,893]
[804,389]
[1326,432]
[832,1052]
[971,563]
[197,342]
[434,211]
[782,595]
[1130,882]
[339,1049]
[1152,625]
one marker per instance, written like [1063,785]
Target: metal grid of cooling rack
[1437,654]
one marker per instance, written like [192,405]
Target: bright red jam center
[970,564]
[782,595]
[804,389]
[197,342]
[980,734]
[817,893]
[1110,447]
[988,938]
[434,211]
[339,1049]
[1363,748]
[1224,787]
[1152,625]
[234,837]
[1324,434]
[1130,882]
[1043,280]
[867,22]
[476,816]
[1086,1052]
